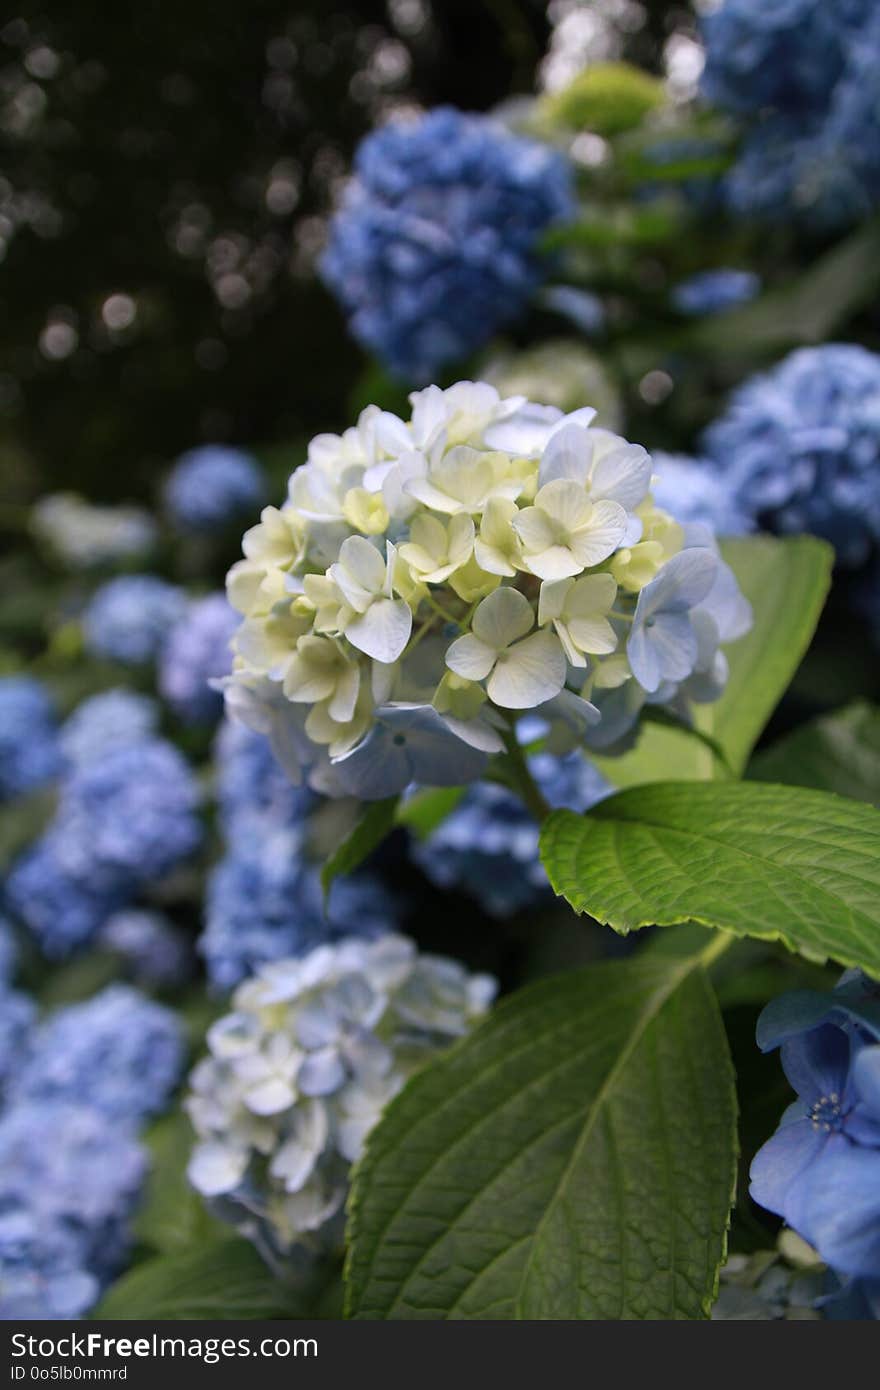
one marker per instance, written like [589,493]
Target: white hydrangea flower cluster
[428,580]
[299,1073]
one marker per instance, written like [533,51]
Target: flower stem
[518,777]
[447,617]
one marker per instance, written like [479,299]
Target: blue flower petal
[777,1165]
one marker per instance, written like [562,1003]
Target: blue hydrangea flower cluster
[805,75]
[210,487]
[71,1166]
[129,618]
[488,846]
[130,817]
[119,1053]
[250,784]
[800,447]
[17,1017]
[153,950]
[197,652]
[713,291]
[17,1011]
[435,245]
[821,1169]
[113,719]
[264,899]
[698,491]
[784,55]
[29,754]
[68,1182]
[122,823]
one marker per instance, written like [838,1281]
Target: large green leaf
[225,1279]
[573,1158]
[786,582]
[837,753]
[759,860]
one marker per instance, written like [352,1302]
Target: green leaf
[770,862]
[574,1157]
[372,828]
[786,582]
[226,1279]
[807,311]
[837,753]
[425,810]
[172,1216]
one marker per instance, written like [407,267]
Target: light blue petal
[376,768]
[836,1207]
[321,1073]
[777,1165]
[675,644]
[643,658]
[683,582]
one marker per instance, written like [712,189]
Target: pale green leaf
[764,861]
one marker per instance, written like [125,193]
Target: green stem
[520,780]
[447,617]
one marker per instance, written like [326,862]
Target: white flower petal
[383,631]
[216,1167]
[529,673]
[594,635]
[363,563]
[551,602]
[569,454]
[622,475]
[557,562]
[269,1097]
[502,617]
[535,529]
[475,733]
[471,658]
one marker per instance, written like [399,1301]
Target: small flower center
[826,1113]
